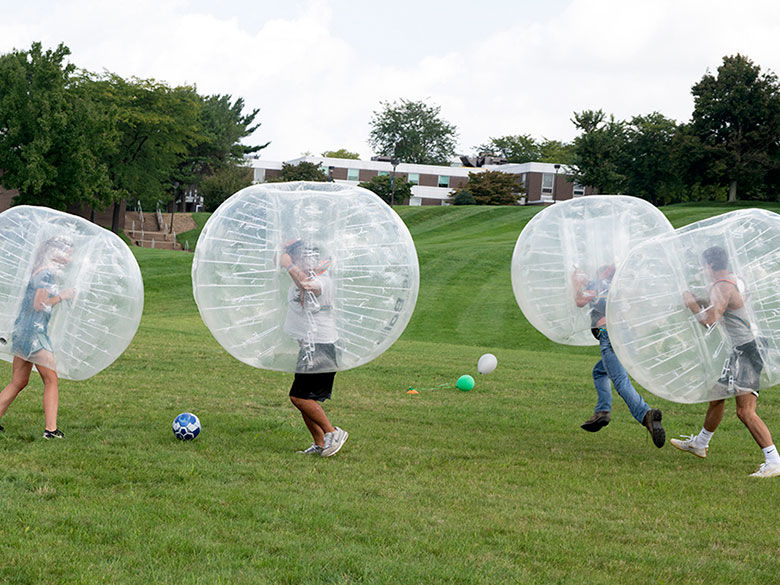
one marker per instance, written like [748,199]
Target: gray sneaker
[315,449]
[334,441]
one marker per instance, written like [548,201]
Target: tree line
[72,138]
[729,149]
[69,138]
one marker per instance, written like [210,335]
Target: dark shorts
[742,371]
[310,383]
[313,386]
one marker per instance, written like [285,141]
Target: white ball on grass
[487,363]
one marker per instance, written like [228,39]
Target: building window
[383,173]
[414,178]
[547,183]
[579,190]
[524,180]
[353,174]
[444,181]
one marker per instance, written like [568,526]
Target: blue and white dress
[31,327]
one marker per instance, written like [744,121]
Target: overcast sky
[318,69]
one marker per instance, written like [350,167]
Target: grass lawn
[497,485]
[190,238]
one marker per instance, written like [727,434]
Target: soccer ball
[186,426]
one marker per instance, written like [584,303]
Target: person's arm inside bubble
[708,316]
[582,296]
[302,280]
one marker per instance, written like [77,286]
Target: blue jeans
[609,368]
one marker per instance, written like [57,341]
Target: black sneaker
[55,434]
[652,422]
[599,419]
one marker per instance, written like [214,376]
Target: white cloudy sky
[318,69]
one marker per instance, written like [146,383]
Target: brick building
[433,184]
[103,218]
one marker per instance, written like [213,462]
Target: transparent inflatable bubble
[660,341]
[71,293]
[354,261]
[572,245]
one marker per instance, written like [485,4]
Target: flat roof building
[434,184]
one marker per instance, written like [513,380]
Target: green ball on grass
[465,383]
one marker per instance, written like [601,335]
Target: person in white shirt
[311,321]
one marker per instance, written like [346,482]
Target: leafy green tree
[303,171]
[341,153]
[463,197]
[412,132]
[523,148]
[520,148]
[154,127]
[555,152]
[50,133]
[736,118]
[491,188]
[649,163]
[223,183]
[392,191]
[597,153]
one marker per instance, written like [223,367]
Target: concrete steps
[145,230]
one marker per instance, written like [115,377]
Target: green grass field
[497,485]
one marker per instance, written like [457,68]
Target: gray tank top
[737,322]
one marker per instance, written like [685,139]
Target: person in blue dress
[30,341]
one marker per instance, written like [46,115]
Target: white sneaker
[691,445]
[767,470]
[334,441]
[315,449]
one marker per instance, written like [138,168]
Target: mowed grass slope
[497,485]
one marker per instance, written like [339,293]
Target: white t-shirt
[309,316]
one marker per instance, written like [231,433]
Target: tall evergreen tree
[216,147]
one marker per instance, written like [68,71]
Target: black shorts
[313,386]
[310,382]
[742,371]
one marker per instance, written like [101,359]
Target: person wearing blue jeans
[609,371]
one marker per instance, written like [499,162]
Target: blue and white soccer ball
[186,426]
